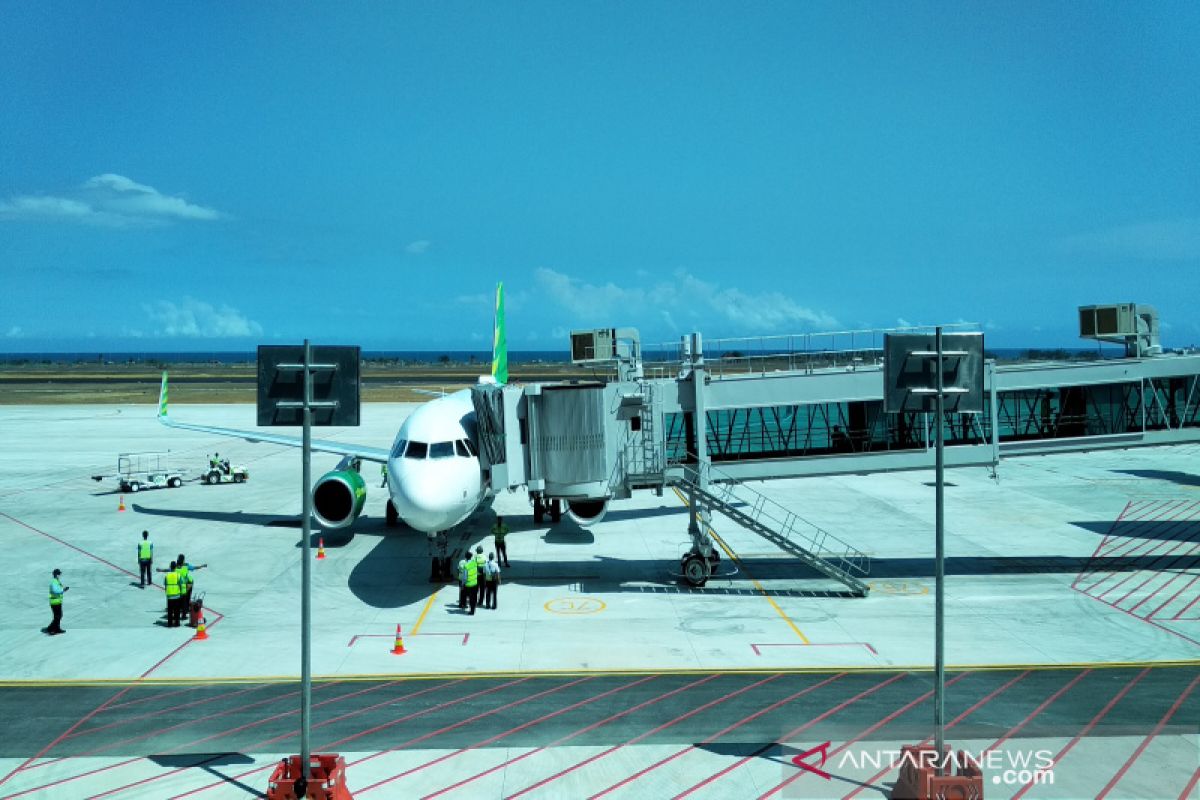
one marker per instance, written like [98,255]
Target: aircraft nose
[423,499]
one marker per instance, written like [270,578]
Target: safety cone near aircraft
[320,549]
[201,632]
[398,648]
[121,503]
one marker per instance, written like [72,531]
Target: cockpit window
[470,447]
[460,447]
[416,450]
[441,450]
[398,450]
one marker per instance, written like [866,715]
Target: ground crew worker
[462,582]
[174,595]
[214,460]
[145,559]
[472,582]
[186,582]
[500,530]
[383,473]
[57,590]
[492,582]
[480,566]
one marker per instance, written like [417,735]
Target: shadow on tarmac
[1161,529]
[1174,476]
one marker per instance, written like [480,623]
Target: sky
[202,176]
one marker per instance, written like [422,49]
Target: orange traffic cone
[201,634]
[121,503]
[320,549]
[398,649]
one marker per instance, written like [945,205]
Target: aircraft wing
[323,446]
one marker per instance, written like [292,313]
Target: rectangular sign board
[910,372]
[280,381]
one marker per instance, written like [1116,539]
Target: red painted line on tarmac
[377,728]
[147,699]
[1161,525]
[1187,790]
[718,734]
[1155,531]
[1141,554]
[757,652]
[1165,507]
[1147,568]
[161,711]
[261,743]
[628,742]
[1108,533]
[1086,730]
[1149,621]
[497,737]
[1165,568]
[790,734]
[135,759]
[1172,597]
[862,734]
[52,537]
[1146,742]
[1185,609]
[866,784]
[1042,707]
[91,714]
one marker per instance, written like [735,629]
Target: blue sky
[211,176]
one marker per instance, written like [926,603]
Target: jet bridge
[792,407]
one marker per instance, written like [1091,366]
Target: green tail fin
[162,397]
[499,341]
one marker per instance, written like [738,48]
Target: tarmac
[1073,631]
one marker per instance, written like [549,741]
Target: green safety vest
[472,573]
[172,582]
[499,531]
[145,550]
[185,578]
[480,561]
[56,593]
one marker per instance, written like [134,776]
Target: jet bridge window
[416,450]
[441,450]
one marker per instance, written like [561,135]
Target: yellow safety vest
[499,531]
[185,578]
[472,573]
[172,582]
[145,550]
[56,593]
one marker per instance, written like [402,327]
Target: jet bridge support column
[699,561]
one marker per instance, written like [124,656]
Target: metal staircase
[814,546]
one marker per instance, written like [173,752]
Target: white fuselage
[434,477]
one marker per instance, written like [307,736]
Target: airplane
[434,476]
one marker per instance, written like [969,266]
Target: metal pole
[939,661]
[305,566]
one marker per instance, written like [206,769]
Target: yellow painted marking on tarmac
[575,605]
[733,557]
[428,676]
[424,611]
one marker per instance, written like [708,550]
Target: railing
[775,517]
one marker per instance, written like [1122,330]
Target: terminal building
[708,424]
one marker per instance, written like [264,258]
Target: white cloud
[683,296]
[110,200]
[15,332]
[194,318]
[418,247]
[1157,240]
[903,323]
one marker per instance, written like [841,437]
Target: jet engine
[338,498]
[587,512]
